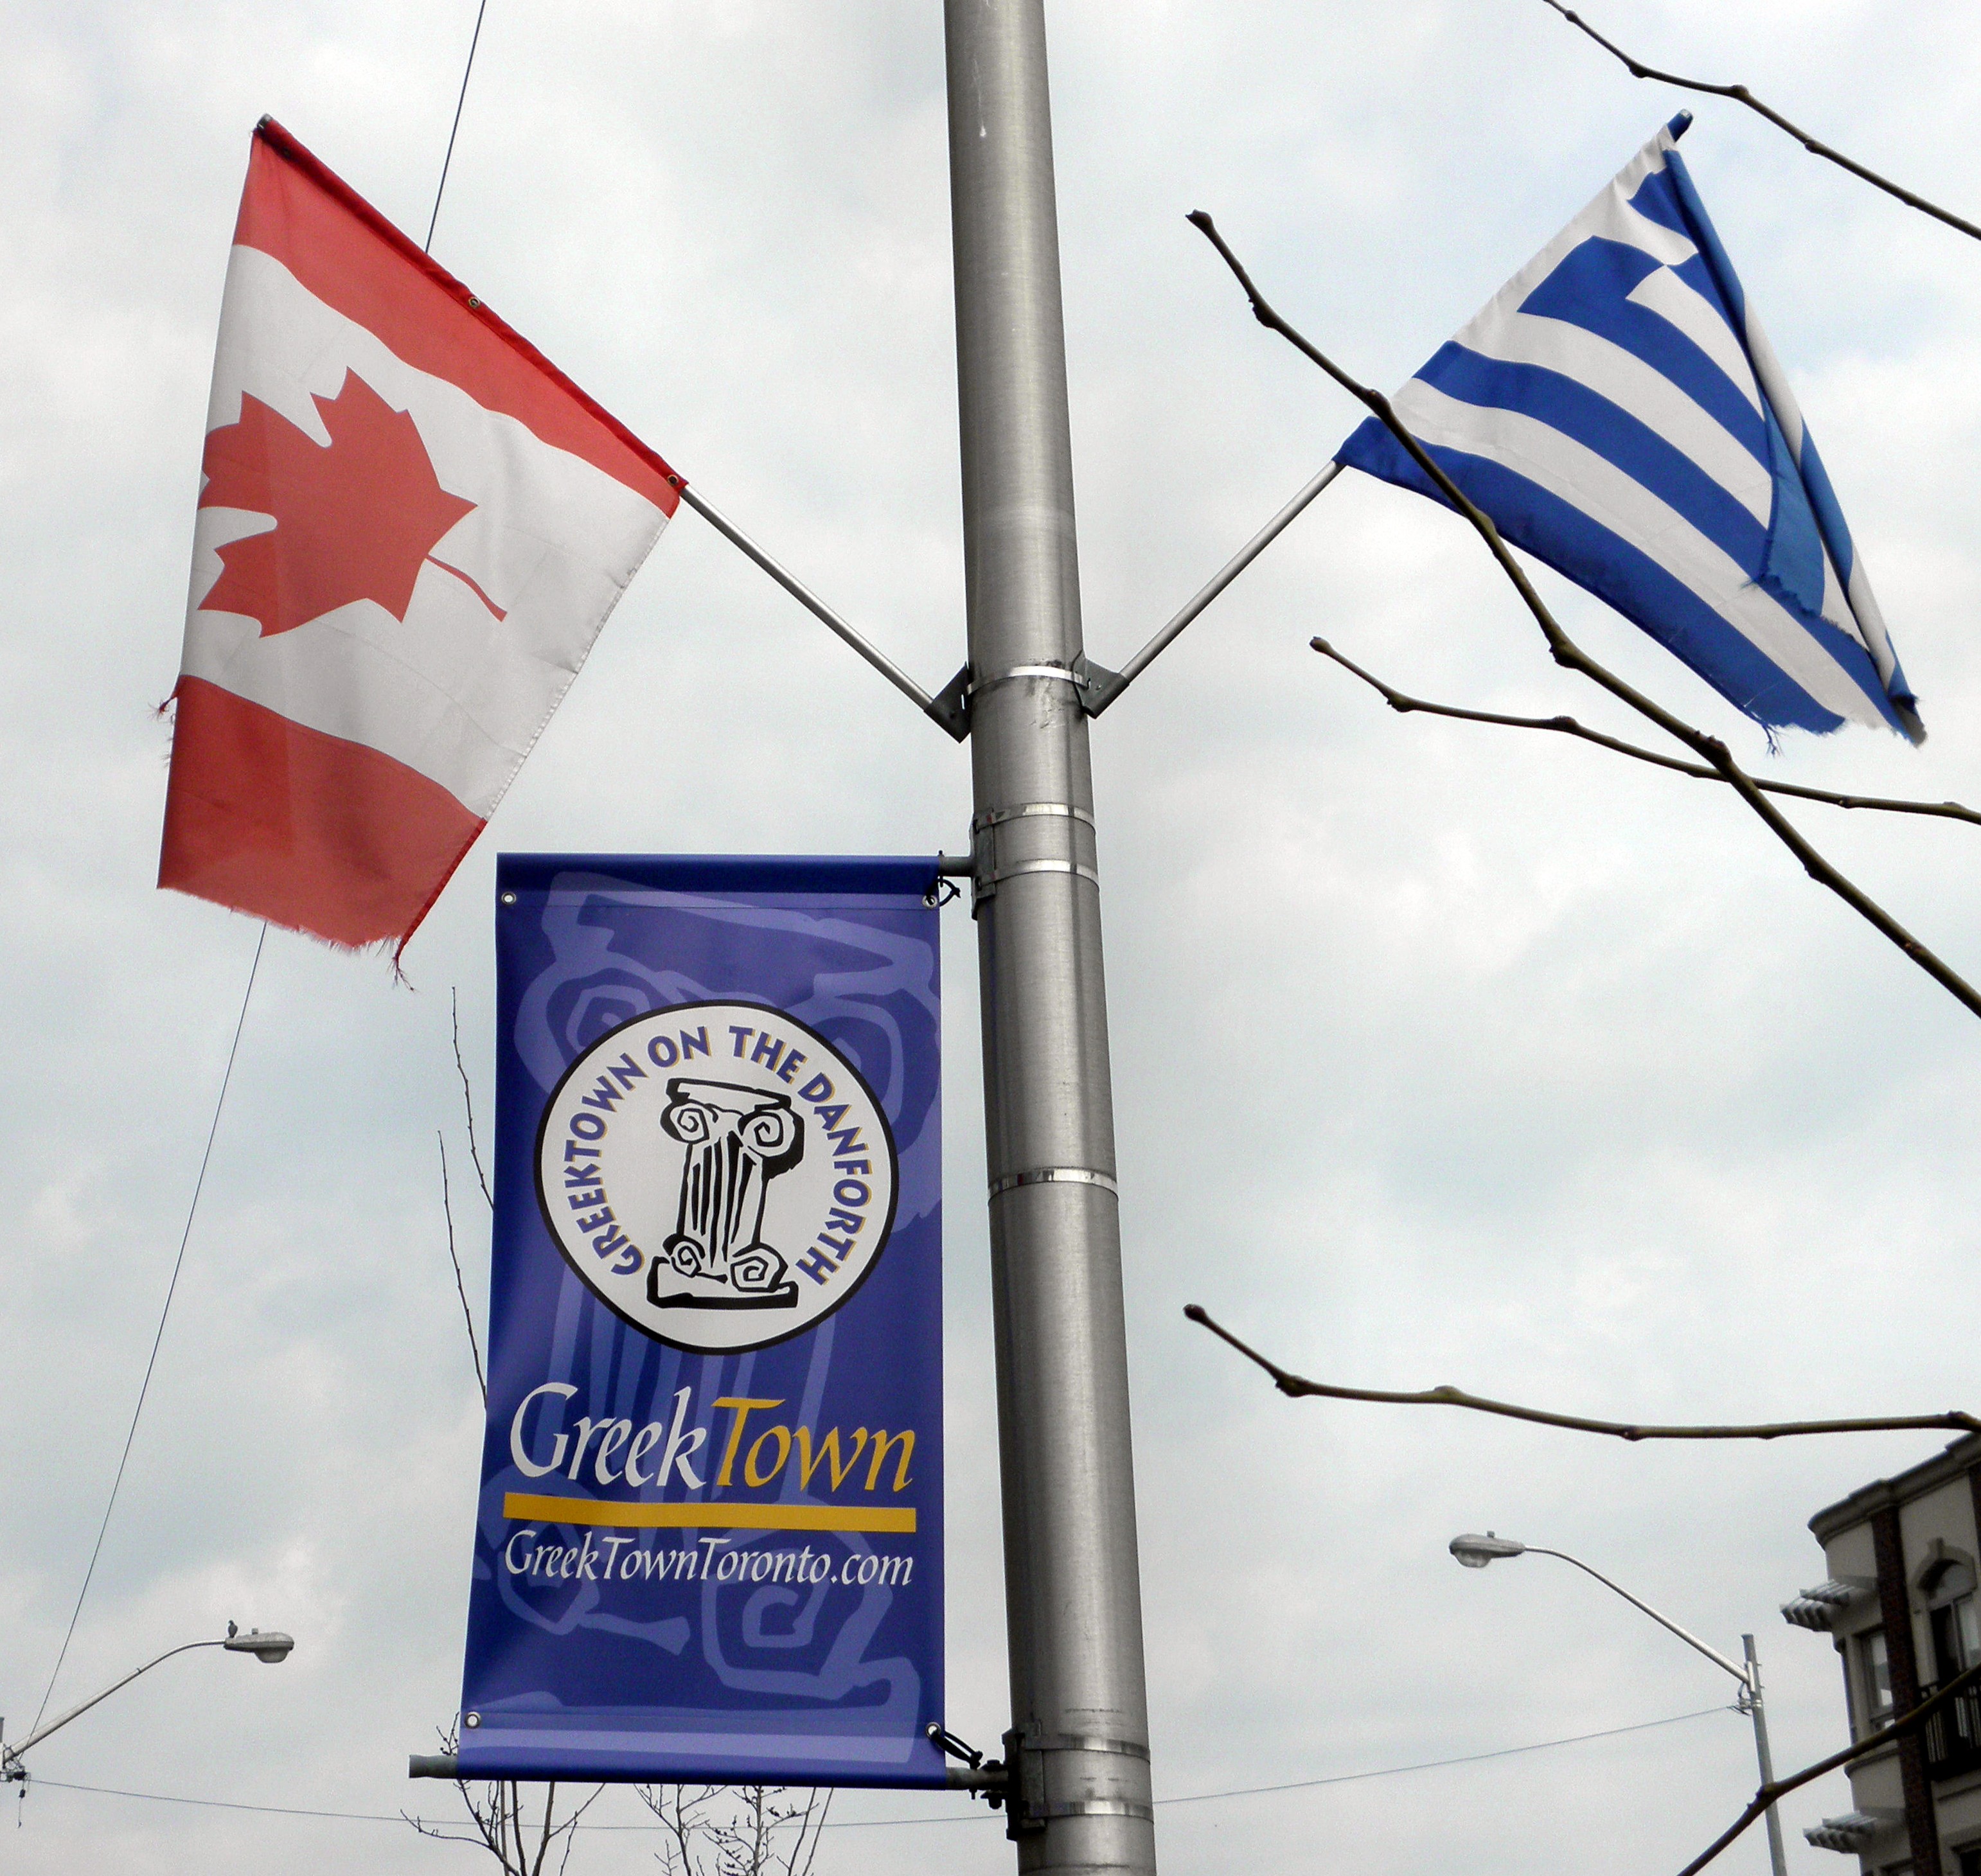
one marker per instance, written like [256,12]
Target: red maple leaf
[354,518]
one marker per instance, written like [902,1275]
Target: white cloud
[1441,1053]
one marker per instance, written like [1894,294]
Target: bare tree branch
[1740,94]
[426,1828]
[570,1829]
[1771,1794]
[1571,657]
[682,1816]
[751,1830]
[461,1287]
[543,1842]
[467,1097]
[1298,1385]
[495,1811]
[1404,704]
[817,1826]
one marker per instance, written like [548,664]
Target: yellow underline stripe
[722,1516]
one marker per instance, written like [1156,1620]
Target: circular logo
[718,1175]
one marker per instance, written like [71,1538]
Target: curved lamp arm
[271,1647]
[1713,1655]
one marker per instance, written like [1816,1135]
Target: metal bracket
[943,889]
[986,1781]
[1031,1809]
[986,884]
[1025,1786]
[977,1776]
[1095,683]
[986,873]
[1096,686]
[944,1741]
[1103,687]
[950,706]
[983,864]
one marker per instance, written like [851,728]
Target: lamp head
[270,1645]
[1475,1552]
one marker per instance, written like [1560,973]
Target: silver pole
[1078,1752]
[1761,1752]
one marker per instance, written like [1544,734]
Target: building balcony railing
[1951,1738]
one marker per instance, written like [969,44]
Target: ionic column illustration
[738,1139]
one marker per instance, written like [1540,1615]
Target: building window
[1970,1862]
[1950,1613]
[1875,1666]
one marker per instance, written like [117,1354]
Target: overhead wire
[151,1362]
[1469,1758]
[199,1183]
[447,162]
[974,1817]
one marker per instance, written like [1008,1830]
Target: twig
[569,1828]
[818,1833]
[467,1097]
[543,1843]
[1772,1794]
[1403,704]
[454,1256]
[1571,657]
[1740,94]
[427,1828]
[1298,1385]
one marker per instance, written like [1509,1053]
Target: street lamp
[1476,1551]
[270,1645]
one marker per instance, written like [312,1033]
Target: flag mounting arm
[1571,657]
[1098,687]
[1108,685]
[930,707]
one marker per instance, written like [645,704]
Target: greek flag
[1618,413]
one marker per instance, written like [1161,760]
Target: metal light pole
[270,1646]
[1078,1752]
[1761,1752]
[1475,1553]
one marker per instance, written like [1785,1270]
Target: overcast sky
[1441,1053]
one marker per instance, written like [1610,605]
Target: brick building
[1899,1604]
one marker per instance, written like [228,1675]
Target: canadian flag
[411,528]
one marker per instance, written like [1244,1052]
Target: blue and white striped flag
[1618,413]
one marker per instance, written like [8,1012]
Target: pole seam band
[1038,866]
[1085,1742]
[1094,1808]
[1063,1176]
[994,817]
[1060,671]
